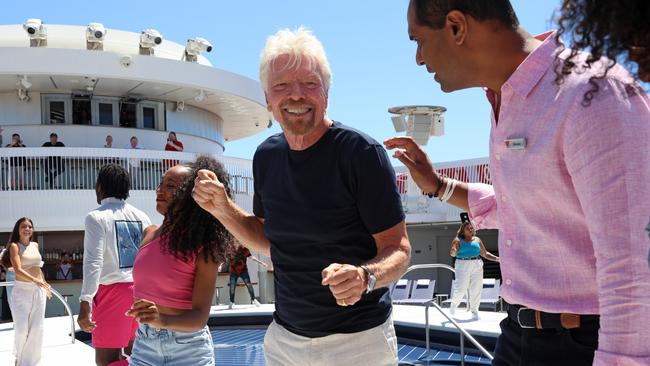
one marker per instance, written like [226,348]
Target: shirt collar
[111,200]
[530,71]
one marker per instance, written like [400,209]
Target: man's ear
[266,99]
[456,22]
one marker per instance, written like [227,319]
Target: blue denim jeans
[164,347]
[233,285]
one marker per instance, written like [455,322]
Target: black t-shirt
[17,161]
[321,206]
[54,160]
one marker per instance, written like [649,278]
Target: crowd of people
[172,144]
[55,166]
[576,225]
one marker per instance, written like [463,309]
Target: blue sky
[372,60]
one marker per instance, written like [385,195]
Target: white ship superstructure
[86,82]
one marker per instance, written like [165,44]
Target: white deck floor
[58,349]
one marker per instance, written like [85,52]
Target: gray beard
[298,127]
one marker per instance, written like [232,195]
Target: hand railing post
[462,349]
[426,328]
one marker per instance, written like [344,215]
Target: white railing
[462,332]
[421,208]
[50,168]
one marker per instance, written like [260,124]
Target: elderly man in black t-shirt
[326,207]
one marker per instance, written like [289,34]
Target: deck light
[24,83]
[23,95]
[180,106]
[36,32]
[149,38]
[95,34]
[419,121]
[195,46]
[200,96]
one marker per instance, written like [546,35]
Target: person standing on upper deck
[54,165]
[570,168]
[326,207]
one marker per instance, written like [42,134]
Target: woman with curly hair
[617,30]
[175,271]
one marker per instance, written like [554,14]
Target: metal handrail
[463,332]
[58,296]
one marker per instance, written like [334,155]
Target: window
[127,115]
[150,114]
[57,112]
[105,114]
[148,117]
[81,111]
[105,110]
[56,109]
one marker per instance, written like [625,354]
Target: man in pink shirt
[570,195]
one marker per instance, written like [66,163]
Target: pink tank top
[162,278]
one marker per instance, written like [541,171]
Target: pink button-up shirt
[572,205]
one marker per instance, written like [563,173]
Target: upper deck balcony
[55,185]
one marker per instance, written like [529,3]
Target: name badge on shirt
[516,144]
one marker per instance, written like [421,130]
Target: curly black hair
[604,28]
[114,181]
[191,230]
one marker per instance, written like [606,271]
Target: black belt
[468,258]
[535,319]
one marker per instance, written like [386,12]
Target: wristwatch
[371,279]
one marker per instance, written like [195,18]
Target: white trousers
[375,346]
[28,311]
[469,275]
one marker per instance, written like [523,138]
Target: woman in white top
[28,298]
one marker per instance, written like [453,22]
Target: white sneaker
[475,315]
[452,310]
[256,303]
[230,305]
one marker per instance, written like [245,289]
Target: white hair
[296,44]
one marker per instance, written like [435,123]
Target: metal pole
[426,328]
[462,349]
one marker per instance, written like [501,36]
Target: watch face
[371,282]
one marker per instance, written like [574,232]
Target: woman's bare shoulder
[149,234]
[150,229]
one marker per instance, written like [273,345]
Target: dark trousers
[546,347]
[233,285]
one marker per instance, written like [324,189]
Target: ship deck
[238,336]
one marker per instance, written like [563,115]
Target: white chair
[401,290]
[490,295]
[423,290]
[463,301]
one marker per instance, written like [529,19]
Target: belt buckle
[519,320]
